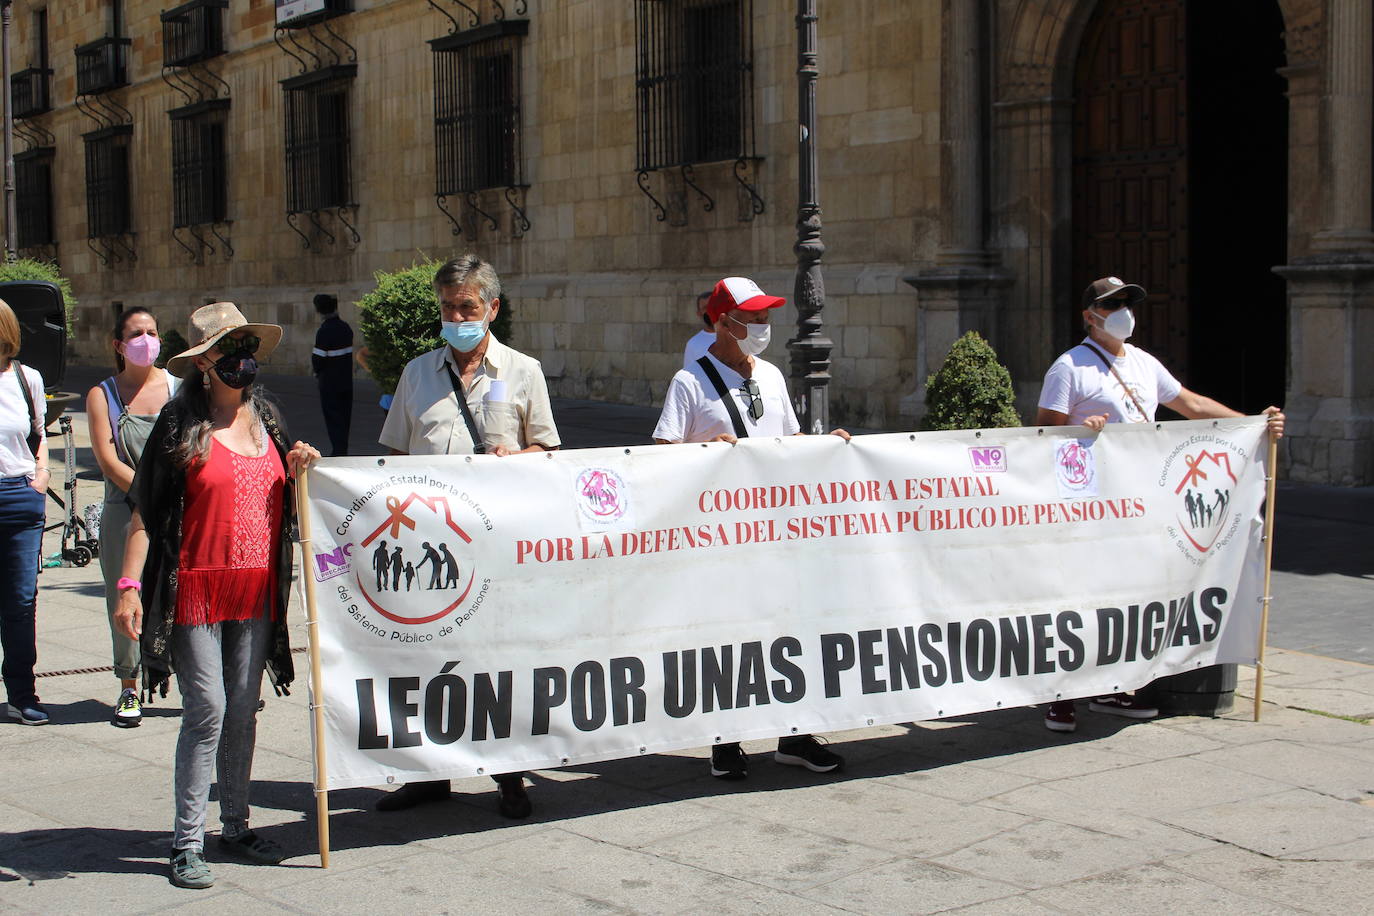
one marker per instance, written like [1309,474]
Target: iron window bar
[200,175]
[101,65]
[29,92]
[193,32]
[318,177]
[33,198]
[477,115]
[328,10]
[694,88]
[108,198]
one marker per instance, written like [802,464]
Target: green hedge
[972,390]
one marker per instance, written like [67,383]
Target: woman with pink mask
[121,411]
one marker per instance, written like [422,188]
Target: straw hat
[211,322]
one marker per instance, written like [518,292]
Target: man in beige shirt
[508,413]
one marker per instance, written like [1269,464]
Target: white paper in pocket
[497,391]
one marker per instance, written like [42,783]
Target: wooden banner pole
[316,677]
[1271,482]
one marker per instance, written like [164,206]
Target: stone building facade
[980,160]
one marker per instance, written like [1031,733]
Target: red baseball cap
[739,293]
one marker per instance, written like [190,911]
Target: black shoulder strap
[1124,387]
[35,435]
[478,447]
[706,366]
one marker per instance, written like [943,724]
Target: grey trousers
[114,527]
[219,670]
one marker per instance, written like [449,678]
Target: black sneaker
[807,751]
[729,762]
[414,793]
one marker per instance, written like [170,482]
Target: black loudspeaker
[42,327]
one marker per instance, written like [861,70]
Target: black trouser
[337,406]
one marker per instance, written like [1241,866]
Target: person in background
[121,411]
[24,478]
[332,362]
[701,341]
[1106,380]
[210,541]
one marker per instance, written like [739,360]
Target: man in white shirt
[507,412]
[727,393]
[1106,380]
[699,342]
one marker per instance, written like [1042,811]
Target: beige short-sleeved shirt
[424,418]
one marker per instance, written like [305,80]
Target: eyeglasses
[751,388]
[230,345]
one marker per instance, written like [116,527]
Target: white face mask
[1119,324]
[757,341]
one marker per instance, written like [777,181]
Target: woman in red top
[209,544]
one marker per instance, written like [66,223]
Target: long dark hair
[192,407]
[121,323]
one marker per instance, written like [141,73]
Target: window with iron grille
[29,92]
[477,108]
[33,197]
[317,147]
[694,81]
[107,181]
[199,176]
[193,32]
[101,65]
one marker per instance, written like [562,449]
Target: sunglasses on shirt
[751,388]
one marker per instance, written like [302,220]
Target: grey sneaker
[128,711]
[189,869]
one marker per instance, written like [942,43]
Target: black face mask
[237,370]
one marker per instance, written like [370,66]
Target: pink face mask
[142,350]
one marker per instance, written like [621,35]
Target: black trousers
[337,406]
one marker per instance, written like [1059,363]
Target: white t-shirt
[693,412]
[697,345]
[15,458]
[1080,384]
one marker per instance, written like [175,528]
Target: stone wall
[603,291]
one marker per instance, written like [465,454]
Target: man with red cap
[729,393]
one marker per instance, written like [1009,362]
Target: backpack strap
[117,409]
[35,436]
[719,383]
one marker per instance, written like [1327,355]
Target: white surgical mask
[1119,324]
[757,341]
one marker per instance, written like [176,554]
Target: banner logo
[602,496]
[988,459]
[1075,469]
[334,563]
[1201,479]
[414,575]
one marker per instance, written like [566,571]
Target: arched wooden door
[1130,166]
[1180,184]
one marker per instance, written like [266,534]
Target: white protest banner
[485,615]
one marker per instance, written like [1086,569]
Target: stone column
[961,290]
[1330,398]
[1350,126]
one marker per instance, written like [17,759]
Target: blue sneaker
[28,713]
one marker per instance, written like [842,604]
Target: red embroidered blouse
[227,568]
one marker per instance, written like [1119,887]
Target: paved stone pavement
[983,814]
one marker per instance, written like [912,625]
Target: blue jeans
[21,540]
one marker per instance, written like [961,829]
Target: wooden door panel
[1130,165]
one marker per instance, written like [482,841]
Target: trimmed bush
[399,320]
[172,344]
[972,390]
[44,271]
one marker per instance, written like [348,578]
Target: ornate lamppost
[11,232]
[810,348]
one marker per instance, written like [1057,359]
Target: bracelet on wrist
[125,582]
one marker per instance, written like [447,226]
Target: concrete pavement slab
[1335,888]
[1285,824]
[1323,770]
[965,782]
[1149,890]
[910,886]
